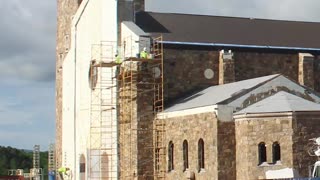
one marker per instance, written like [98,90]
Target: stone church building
[243,129]
[241,95]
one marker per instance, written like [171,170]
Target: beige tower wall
[65,10]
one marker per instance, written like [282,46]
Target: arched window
[185,155]
[170,156]
[276,152]
[200,154]
[82,167]
[262,150]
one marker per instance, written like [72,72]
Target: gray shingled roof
[281,102]
[216,94]
[230,30]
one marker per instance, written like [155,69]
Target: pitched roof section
[216,94]
[230,30]
[281,102]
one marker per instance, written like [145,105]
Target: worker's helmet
[144,48]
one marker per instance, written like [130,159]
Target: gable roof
[185,28]
[281,102]
[215,94]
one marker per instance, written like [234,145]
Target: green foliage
[12,158]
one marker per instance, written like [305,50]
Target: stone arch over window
[82,167]
[276,152]
[200,154]
[185,155]
[262,152]
[170,156]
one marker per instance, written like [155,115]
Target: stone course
[291,130]
[192,128]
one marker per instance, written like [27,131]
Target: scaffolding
[36,172]
[125,100]
[141,98]
[51,158]
[36,156]
[103,122]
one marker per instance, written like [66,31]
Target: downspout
[75,92]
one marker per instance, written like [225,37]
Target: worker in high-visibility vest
[62,172]
[118,59]
[144,53]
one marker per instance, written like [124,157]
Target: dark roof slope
[230,30]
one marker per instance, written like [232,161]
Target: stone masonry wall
[306,126]
[250,131]
[256,64]
[226,150]
[145,119]
[317,73]
[192,128]
[136,122]
[184,71]
[306,70]
[184,68]
[65,10]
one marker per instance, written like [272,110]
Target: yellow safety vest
[144,55]
[62,170]
[118,60]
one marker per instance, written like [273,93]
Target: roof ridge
[236,17]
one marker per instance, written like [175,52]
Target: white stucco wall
[94,23]
[68,112]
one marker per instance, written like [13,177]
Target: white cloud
[307,10]
[27,46]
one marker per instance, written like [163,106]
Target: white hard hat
[144,48]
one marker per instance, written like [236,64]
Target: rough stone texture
[184,71]
[226,150]
[316,72]
[184,68]
[255,64]
[291,130]
[306,76]
[226,68]
[250,131]
[306,126]
[136,121]
[138,5]
[192,128]
[65,10]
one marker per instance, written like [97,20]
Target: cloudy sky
[27,71]
[27,56]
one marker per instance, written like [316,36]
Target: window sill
[171,171]
[265,164]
